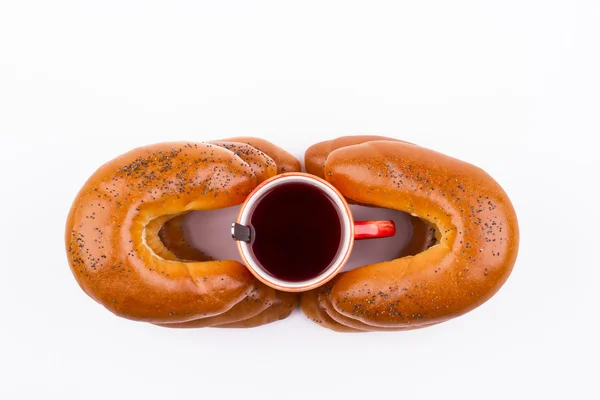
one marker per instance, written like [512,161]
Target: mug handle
[373,229]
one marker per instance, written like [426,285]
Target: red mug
[306,197]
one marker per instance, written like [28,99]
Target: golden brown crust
[260,298]
[316,155]
[325,303]
[284,160]
[106,237]
[317,306]
[309,302]
[261,164]
[476,246]
[127,247]
[285,303]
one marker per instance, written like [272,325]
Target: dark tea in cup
[296,232]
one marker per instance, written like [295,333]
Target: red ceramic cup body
[351,231]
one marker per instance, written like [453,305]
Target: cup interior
[346,237]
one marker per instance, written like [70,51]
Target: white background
[510,86]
